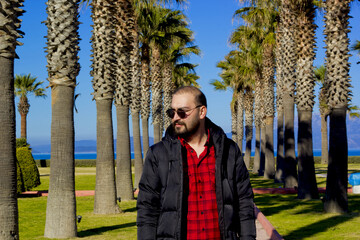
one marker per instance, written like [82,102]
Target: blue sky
[212,23]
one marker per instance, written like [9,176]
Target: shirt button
[202,212]
[203,229]
[199,181]
[200,196]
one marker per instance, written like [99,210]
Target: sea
[92,155]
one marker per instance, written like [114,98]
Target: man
[195,184]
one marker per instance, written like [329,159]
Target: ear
[202,112]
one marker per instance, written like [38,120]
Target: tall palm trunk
[287,18]
[279,175]
[269,97]
[249,101]
[124,184]
[9,227]
[262,149]
[156,92]
[63,67]
[23,108]
[145,96]
[136,106]
[233,109]
[324,140]
[269,149]
[105,188]
[258,114]
[103,84]
[61,203]
[256,166]
[338,95]
[305,83]
[307,181]
[124,73]
[169,87]
[240,119]
[290,174]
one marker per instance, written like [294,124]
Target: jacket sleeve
[148,202]
[246,196]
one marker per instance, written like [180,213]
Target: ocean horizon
[92,155]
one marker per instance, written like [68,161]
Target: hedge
[28,173]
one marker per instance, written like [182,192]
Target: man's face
[187,126]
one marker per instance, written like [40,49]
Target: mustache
[178,122]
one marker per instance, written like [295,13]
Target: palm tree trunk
[124,184]
[262,150]
[9,227]
[145,135]
[269,151]
[61,202]
[256,167]
[307,181]
[234,136]
[324,140]
[23,125]
[105,188]
[336,199]
[290,173]
[240,120]
[279,176]
[138,162]
[248,137]
[156,92]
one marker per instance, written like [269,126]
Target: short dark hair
[199,95]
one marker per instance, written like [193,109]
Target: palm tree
[279,175]
[63,67]
[124,45]
[25,85]
[172,27]
[135,106]
[305,83]
[324,112]
[11,11]
[103,84]
[172,55]
[288,56]
[338,96]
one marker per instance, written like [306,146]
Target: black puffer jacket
[161,206]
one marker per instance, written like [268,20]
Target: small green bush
[20,183]
[29,173]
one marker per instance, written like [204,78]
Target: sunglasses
[180,112]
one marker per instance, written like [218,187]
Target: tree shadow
[321,226]
[130,210]
[99,230]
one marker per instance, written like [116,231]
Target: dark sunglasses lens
[170,113]
[181,113]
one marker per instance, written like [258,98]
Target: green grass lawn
[293,218]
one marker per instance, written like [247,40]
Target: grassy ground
[293,218]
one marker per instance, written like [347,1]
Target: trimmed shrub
[29,173]
[20,183]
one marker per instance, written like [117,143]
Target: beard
[186,130]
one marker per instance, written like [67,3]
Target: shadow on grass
[321,226]
[99,230]
[129,210]
[271,204]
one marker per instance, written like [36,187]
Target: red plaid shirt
[202,216]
